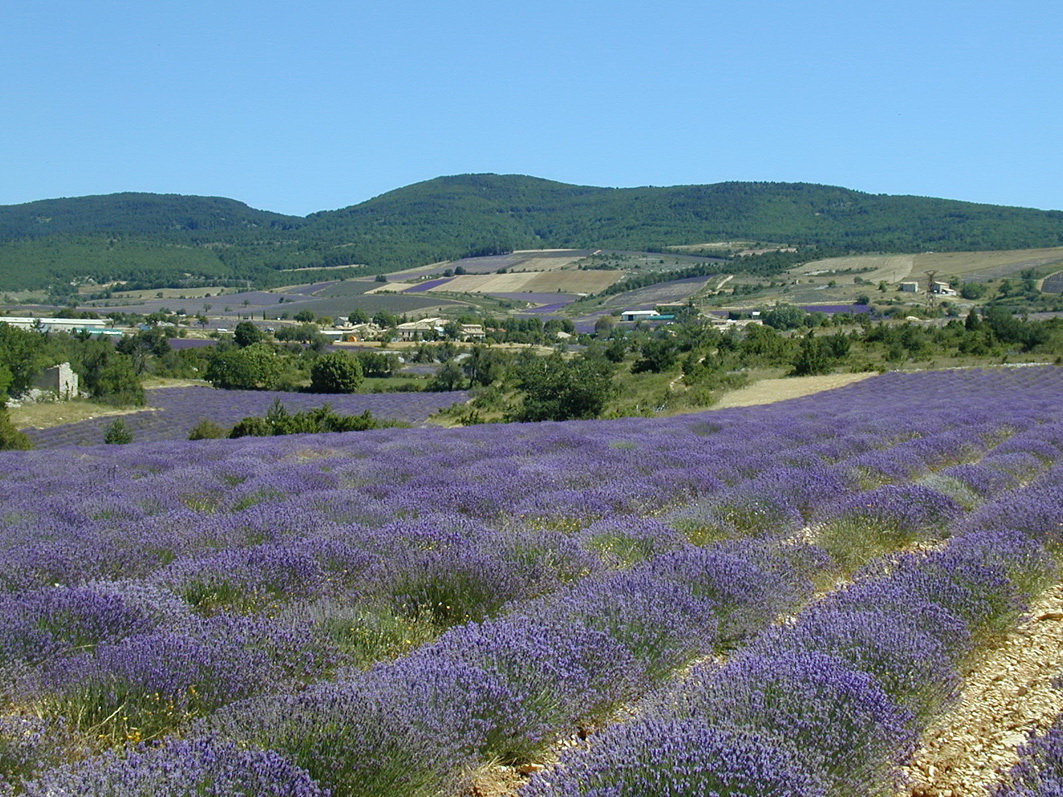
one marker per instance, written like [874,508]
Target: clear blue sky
[314,105]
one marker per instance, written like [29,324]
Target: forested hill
[167,238]
[136,214]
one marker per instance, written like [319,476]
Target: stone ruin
[60,380]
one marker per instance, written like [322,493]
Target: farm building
[910,287]
[416,330]
[472,332]
[56,324]
[644,315]
[942,289]
[637,315]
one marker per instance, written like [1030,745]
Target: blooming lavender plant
[1039,772]
[183,768]
[845,729]
[676,758]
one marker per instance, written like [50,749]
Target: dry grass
[948,265]
[533,282]
[171,293]
[392,287]
[891,268]
[45,416]
[768,391]
[546,263]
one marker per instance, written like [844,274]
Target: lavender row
[654,619]
[834,703]
[550,666]
[574,498]
[160,500]
[175,411]
[501,689]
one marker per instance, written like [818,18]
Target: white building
[56,324]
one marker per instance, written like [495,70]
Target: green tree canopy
[255,367]
[337,372]
[556,389]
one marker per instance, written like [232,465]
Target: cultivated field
[532,282]
[794,600]
[971,266]
[172,412]
[520,260]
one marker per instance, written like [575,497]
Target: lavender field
[173,411]
[770,602]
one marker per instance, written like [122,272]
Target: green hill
[168,238]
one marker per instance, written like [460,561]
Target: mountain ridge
[170,237]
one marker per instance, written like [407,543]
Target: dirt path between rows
[1007,694]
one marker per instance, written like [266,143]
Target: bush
[206,430]
[117,433]
[12,439]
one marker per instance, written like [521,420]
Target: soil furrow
[1008,693]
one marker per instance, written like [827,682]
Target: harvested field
[661,293]
[768,391]
[891,268]
[972,266]
[532,282]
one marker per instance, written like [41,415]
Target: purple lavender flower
[183,768]
[669,758]
[842,725]
[1039,772]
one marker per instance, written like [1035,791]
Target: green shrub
[12,439]
[117,433]
[206,430]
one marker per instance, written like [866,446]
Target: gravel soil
[1008,694]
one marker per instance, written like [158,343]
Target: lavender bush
[288,594]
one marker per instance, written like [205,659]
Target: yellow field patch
[768,391]
[546,263]
[895,268]
[891,268]
[532,282]
[1008,261]
[487,283]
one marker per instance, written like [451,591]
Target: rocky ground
[1009,692]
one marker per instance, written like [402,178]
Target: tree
[247,333]
[784,316]
[657,354]
[485,366]
[108,375]
[337,372]
[143,345]
[376,365]
[384,319]
[604,325]
[556,389]
[449,377]
[255,367]
[813,357]
[358,316]
[23,353]
[305,316]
